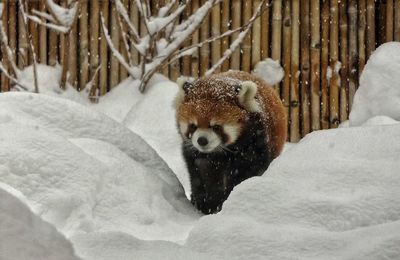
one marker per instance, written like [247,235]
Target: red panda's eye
[216,128]
[192,127]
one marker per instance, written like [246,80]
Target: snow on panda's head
[212,112]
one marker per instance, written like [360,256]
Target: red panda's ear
[184,85]
[247,96]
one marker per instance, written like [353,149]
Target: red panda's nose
[202,141]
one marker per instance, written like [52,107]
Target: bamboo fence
[322,45]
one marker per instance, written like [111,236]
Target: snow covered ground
[106,179]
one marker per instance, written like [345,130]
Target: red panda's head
[212,112]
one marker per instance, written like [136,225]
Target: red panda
[233,125]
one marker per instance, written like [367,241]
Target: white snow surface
[269,70]
[379,90]
[108,186]
[25,236]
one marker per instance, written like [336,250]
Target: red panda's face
[210,125]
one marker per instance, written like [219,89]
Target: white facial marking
[212,138]
[183,127]
[233,131]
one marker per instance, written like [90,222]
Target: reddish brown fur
[205,102]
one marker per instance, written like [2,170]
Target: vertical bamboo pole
[236,14]
[334,56]
[53,47]
[5,83]
[370,27]
[205,49]
[305,66]
[265,24]
[389,20]
[246,44]
[115,38]
[324,65]
[344,86]
[294,71]
[22,41]
[73,56]
[215,31]
[42,36]
[134,17]
[33,29]
[256,34]
[353,55]
[12,27]
[195,39]
[84,44]
[186,60]
[225,25]
[277,34]
[104,52]
[287,27]
[94,45]
[362,23]
[61,38]
[396,35]
[380,23]
[123,29]
[174,68]
[315,49]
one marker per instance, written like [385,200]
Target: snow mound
[269,70]
[153,118]
[24,235]
[344,205]
[49,83]
[84,172]
[379,91]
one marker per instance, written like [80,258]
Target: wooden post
[186,60]
[396,20]
[287,27]
[344,57]
[277,34]
[225,25]
[370,27]
[123,73]
[104,52]
[256,33]
[334,64]
[353,55]
[84,43]
[315,49]
[134,17]
[174,68]
[195,39]
[205,49]
[73,55]
[42,36]
[33,29]
[389,20]
[305,65]
[12,27]
[5,83]
[53,47]
[324,65]
[265,24]
[294,70]
[215,31]
[22,41]
[94,46]
[362,23]
[246,44]
[62,39]
[115,38]
[236,22]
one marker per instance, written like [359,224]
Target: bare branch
[63,16]
[115,52]
[58,28]
[123,12]
[236,43]
[2,69]
[44,15]
[30,46]
[6,49]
